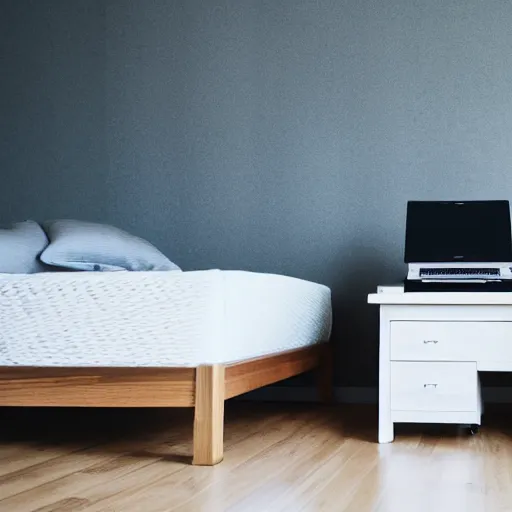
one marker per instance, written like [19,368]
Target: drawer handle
[431,341]
[430,385]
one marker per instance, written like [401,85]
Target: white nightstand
[432,346]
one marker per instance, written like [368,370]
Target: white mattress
[157,318]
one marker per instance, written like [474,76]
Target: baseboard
[353,395]
[497,395]
[349,395]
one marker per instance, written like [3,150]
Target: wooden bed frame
[205,388]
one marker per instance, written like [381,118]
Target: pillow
[20,247]
[82,245]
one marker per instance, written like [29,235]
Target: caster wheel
[474,429]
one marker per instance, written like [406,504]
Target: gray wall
[269,135]
[53,160]
[286,136]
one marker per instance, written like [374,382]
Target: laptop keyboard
[459,272]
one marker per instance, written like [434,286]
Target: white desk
[432,346]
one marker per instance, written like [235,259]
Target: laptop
[458,242]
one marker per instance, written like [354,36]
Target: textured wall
[287,136]
[269,135]
[52,109]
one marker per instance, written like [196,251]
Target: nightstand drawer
[451,341]
[434,386]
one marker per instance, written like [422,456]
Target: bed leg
[325,375]
[209,415]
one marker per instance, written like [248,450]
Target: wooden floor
[278,458]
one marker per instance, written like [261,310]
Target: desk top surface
[394,294]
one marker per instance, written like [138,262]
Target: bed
[159,339]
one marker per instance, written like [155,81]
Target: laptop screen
[466,231]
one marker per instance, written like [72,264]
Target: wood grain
[209,416]
[278,458]
[97,387]
[248,375]
[148,387]
[143,387]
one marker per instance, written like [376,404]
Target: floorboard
[278,457]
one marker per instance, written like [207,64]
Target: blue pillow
[80,245]
[20,247]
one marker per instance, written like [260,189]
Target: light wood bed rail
[205,388]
